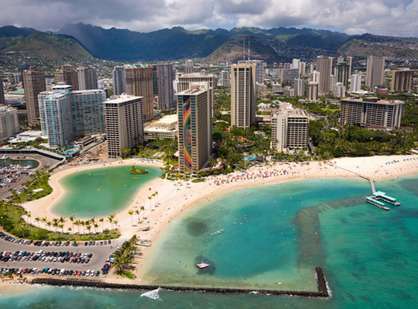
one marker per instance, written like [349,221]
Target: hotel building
[163,86]
[124,125]
[402,80]
[289,129]
[324,66]
[87,111]
[139,83]
[34,83]
[67,75]
[185,80]
[243,95]
[383,114]
[375,74]
[118,80]
[56,116]
[9,123]
[194,125]
[87,78]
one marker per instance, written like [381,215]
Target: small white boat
[202,265]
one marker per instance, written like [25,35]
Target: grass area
[11,215]
[124,258]
[12,222]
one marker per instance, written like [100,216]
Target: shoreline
[175,198]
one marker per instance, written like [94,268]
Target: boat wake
[154,294]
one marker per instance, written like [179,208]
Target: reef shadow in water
[196,227]
[308,228]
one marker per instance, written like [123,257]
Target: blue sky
[389,17]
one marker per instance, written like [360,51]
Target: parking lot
[83,257]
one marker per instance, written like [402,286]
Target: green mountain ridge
[83,43]
[26,46]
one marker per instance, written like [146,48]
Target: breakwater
[322,291]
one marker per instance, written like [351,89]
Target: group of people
[256,173]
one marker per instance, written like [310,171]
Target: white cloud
[391,17]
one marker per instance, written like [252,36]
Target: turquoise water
[278,233]
[101,192]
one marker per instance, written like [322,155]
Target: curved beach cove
[272,236]
[101,191]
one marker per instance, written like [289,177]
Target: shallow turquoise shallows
[100,192]
[273,236]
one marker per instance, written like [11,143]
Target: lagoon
[101,191]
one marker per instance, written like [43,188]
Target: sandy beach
[164,200]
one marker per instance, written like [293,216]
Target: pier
[321,292]
[378,198]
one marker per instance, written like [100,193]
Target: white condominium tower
[124,125]
[375,75]
[290,130]
[243,95]
[194,123]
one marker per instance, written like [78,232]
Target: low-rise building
[163,128]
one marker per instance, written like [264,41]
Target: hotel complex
[123,123]
[194,123]
[243,94]
[382,114]
[289,129]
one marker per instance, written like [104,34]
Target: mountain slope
[122,44]
[393,47]
[177,43]
[19,46]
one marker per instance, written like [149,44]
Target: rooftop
[122,99]
[166,123]
[383,102]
